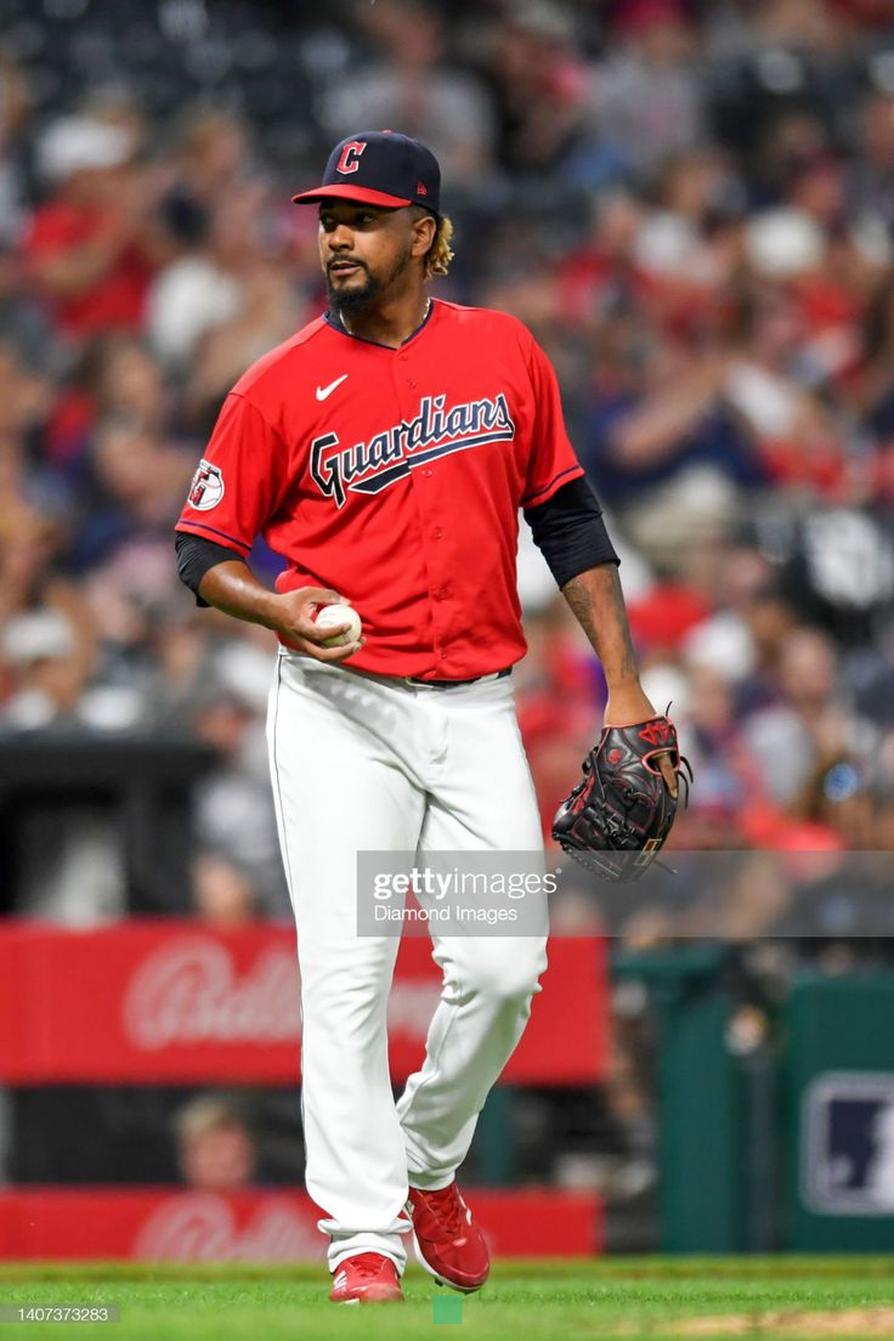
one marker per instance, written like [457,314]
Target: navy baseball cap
[379,167]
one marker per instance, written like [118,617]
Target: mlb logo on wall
[848,1145]
[207,488]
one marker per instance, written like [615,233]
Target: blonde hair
[440,254]
[207,1112]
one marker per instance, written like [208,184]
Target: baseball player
[385,451]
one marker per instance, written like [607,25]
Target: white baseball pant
[361,762]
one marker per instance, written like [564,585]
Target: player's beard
[361,298]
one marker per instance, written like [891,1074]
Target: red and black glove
[619,815]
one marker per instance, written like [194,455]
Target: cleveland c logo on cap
[350,155]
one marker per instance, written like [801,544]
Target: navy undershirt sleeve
[195,556]
[569,531]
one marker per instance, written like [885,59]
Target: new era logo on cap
[379,167]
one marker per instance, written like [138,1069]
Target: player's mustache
[346,260]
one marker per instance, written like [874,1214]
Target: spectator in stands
[770,384]
[646,94]
[600,277]
[810,723]
[234,806]
[836,798]
[540,86]
[688,248]
[269,311]
[138,481]
[193,293]
[213,160]
[662,447]
[47,678]
[872,174]
[222,894]
[128,384]
[873,390]
[15,107]
[215,1147]
[413,86]
[89,246]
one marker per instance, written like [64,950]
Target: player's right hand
[293,617]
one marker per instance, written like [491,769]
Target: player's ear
[424,229]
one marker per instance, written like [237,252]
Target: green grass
[622,1297]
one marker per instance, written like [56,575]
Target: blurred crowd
[691,205]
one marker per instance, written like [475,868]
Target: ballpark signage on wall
[159,1225]
[848,1150]
[172,1001]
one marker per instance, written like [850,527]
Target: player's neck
[390,321]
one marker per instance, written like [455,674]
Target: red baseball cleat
[448,1242]
[367,1278]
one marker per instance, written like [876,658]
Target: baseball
[332,615]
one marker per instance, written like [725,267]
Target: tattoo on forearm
[578,597]
[597,601]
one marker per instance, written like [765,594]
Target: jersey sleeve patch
[207,488]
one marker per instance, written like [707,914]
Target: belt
[455,684]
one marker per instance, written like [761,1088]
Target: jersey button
[437,534]
[411,384]
[402,357]
[427,473]
[440,593]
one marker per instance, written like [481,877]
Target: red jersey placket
[424,486]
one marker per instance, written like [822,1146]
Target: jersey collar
[333,319]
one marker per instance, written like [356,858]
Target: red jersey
[395,477]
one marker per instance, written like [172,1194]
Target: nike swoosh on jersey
[323,392]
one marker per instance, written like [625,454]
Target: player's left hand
[628,704]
